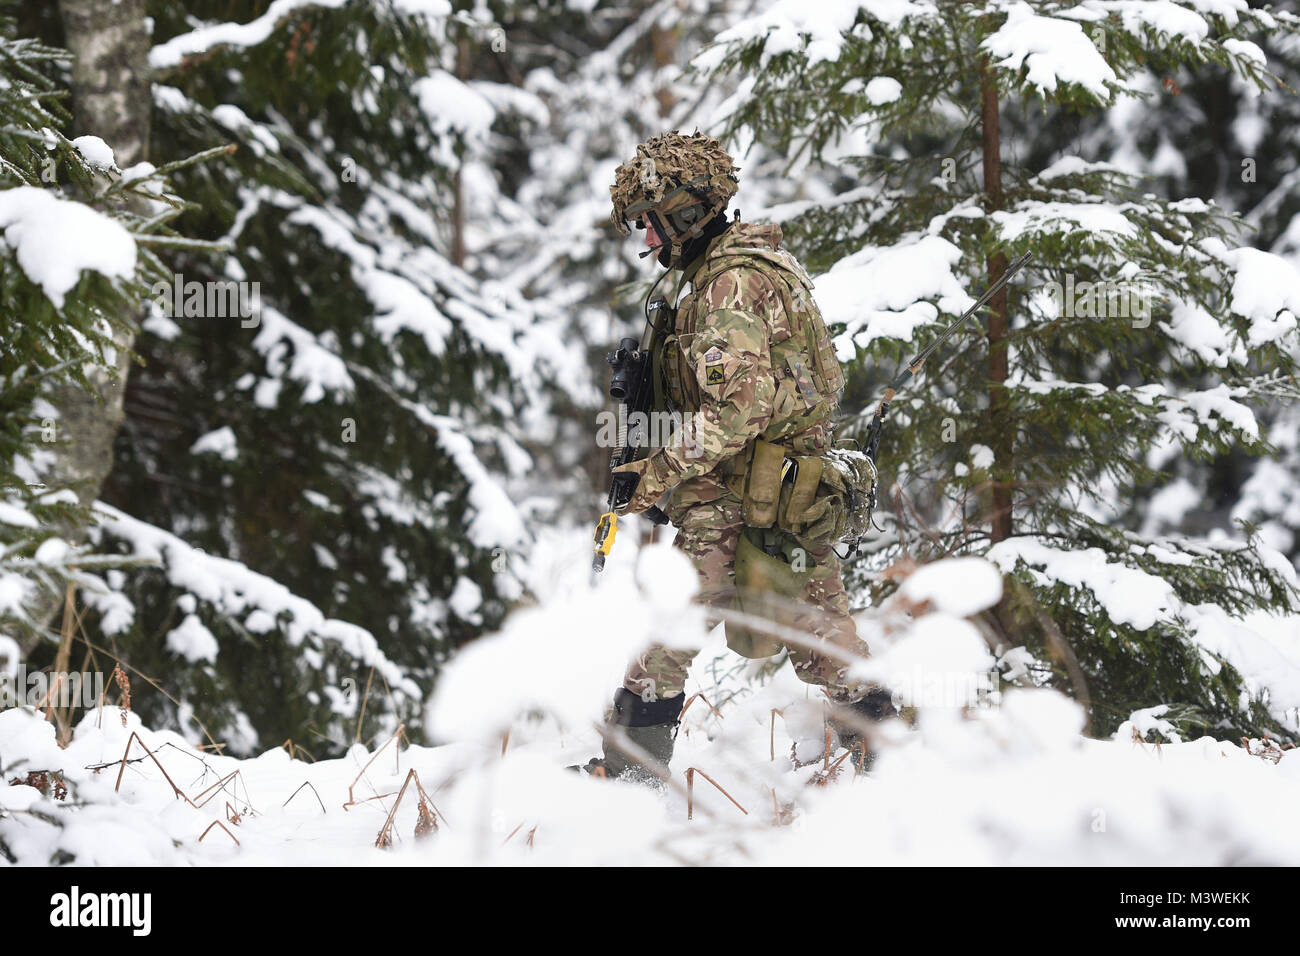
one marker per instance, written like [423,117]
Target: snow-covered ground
[1009,780]
[1014,785]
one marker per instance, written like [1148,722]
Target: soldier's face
[652,240]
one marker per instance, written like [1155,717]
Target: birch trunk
[111,98]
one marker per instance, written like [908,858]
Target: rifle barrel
[905,374]
[989,293]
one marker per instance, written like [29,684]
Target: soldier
[749,364]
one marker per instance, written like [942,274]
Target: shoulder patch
[713,371]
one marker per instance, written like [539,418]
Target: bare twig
[426,821]
[306,783]
[690,791]
[218,823]
[352,800]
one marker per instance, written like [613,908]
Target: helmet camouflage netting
[671,172]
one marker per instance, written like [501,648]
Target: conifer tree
[1141,322]
[324,438]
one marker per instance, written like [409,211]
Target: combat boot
[854,723]
[651,726]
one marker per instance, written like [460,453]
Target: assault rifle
[631,385]
[906,375]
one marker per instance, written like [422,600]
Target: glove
[640,489]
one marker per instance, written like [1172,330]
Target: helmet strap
[679,241]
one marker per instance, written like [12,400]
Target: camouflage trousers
[709,533]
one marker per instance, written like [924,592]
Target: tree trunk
[664,42]
[1003,434]
[112,98]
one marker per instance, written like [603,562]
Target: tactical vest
[808,375]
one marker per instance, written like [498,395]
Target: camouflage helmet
[672,172]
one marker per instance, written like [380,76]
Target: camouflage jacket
[748,356]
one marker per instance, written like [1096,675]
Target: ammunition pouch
[763,484]
[819,499]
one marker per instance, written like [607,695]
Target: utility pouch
[841,508]
[767,587]
[797,496]
[763,484]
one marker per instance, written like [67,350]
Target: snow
[14,591]
[981,456]
[959,586]
[944,661]
[192,641]
[1170,505]
[882,90]
[1265,290]
[116,611]
[1051,51]
[496,521]
[1073,166]
[884,292]
[982,778]
[236,591]
[1146,721]
[1264,648]
[503,97]
[159,324]
[56,239]
[52,551]
[816,29]
[454,106]
[1129,595]
[401,305]
[1163,16]
[16,515]
[205,38]
[427,8]
[1245,50]
[465,600]
[237,121]
[1199,332]
[220,442]
[1012,783]
[320,370]
[1208,407]
[519,663]
[1034,221]
[95,152]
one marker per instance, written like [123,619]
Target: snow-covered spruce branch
[134,182]
[182,242]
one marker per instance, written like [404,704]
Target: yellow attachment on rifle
[606,529]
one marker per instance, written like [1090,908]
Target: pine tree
[1024,439]
[324,437]
[1203,130]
